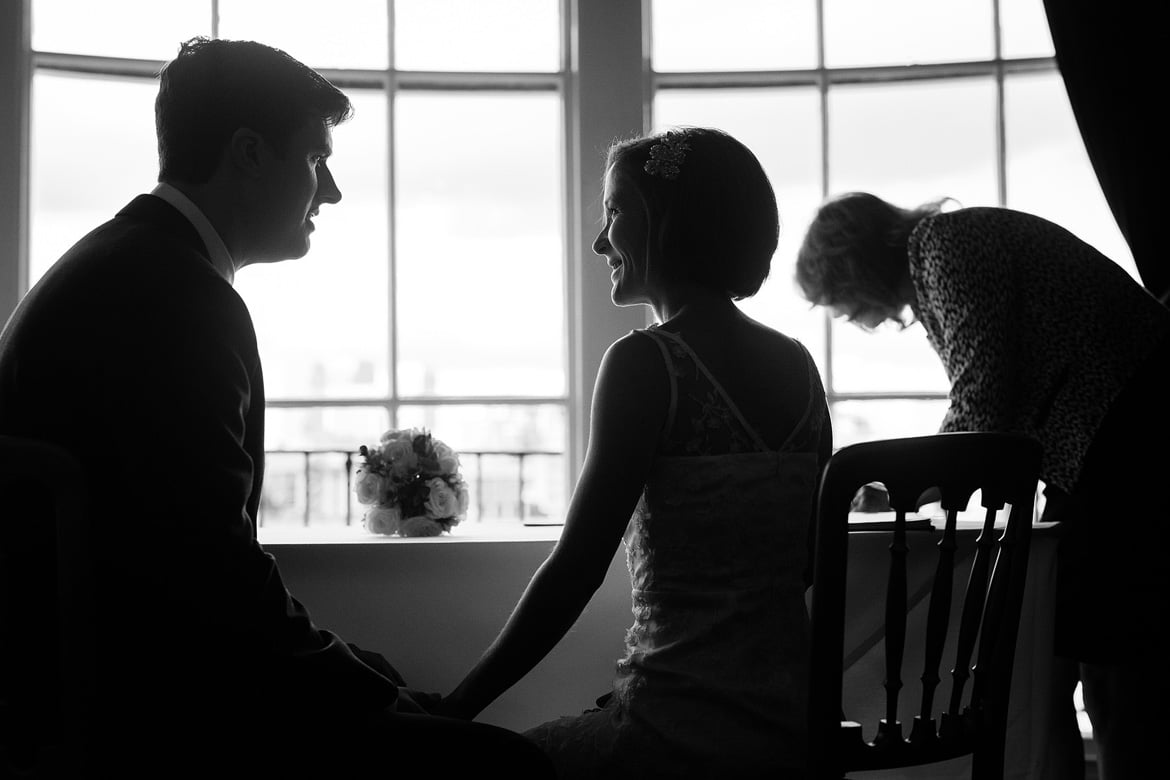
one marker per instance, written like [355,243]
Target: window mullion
[391,222]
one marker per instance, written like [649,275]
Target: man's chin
[282,254]
[296,250]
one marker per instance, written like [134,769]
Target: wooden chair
[971,720]
[45,611]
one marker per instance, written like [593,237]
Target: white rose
[383,520]
[393,435]
[464,497]
[368,486]
[399,453]
[441,500]
[447,458]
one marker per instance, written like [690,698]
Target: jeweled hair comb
[667,155]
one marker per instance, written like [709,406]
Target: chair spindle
[896,619]
[938,618]
[993,611]
[973,605]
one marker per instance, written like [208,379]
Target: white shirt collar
[221,259]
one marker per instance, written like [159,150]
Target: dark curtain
[1111,55]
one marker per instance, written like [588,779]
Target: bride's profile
[708,432]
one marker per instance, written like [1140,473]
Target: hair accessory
[667,156]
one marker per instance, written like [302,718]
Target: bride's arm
[629,408]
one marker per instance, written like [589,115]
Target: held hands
[412,702]
[409,701]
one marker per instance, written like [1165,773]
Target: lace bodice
[715,661]
[704,420]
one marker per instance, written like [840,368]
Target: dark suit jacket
[134,354]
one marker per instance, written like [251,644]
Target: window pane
[140,29]
[888,360]
[505,487]
[308,490]
[1048,169]
[915,141]
[339,34]
[783,128]
[93,149]
[901,32]
[322,321]
[1024,29]
[344,428]
[307,468]
[477,35]
[491,427]
[907,142]
[858,421]
[695,35]
[480,250]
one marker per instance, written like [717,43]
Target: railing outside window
[314,488]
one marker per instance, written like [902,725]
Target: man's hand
[411,701]
[379,664]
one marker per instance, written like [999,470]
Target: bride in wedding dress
[708,433]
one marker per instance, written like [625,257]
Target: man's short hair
[214,87]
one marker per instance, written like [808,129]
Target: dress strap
[672,376]
[677,339]
[815,394]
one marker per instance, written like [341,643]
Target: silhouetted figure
[710,429]
[1041,334]
[135,354]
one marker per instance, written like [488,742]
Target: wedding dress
[713,680]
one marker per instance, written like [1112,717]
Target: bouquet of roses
[412,485]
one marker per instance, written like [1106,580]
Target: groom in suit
[135,353]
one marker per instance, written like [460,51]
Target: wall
[432,607]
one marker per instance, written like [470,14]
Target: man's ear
[246,151]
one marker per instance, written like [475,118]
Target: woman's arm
[629,409]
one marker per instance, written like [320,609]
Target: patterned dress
[713,680]
[1037,330]
[1042,334]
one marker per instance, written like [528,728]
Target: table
[1029,722]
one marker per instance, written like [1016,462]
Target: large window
[453,287]
[434,294]
[909,99]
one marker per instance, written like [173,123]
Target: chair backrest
[971,719]
[45,609]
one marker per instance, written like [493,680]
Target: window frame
[607,88]
[587,88]
[825,78]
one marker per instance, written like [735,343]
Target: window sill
[350,535]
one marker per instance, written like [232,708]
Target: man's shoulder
[146,224]
[148,243]
[133,271]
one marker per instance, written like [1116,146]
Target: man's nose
[327,190]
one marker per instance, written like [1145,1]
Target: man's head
[245,130]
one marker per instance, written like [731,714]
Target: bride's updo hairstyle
[710,209]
